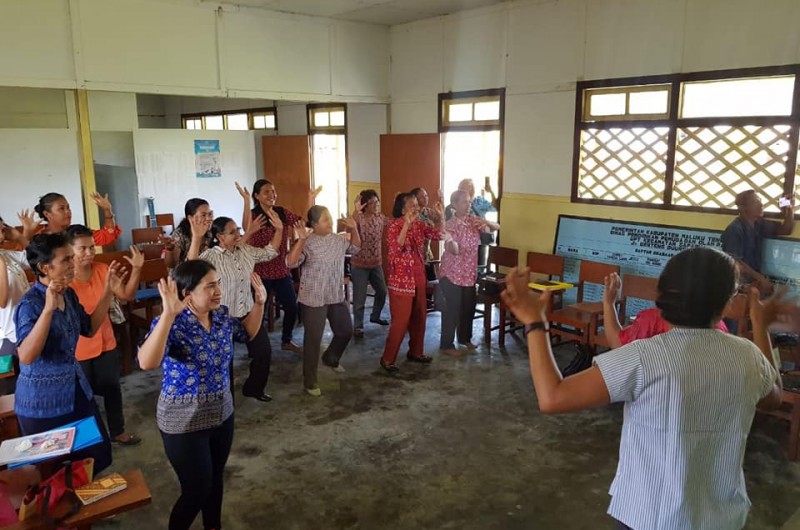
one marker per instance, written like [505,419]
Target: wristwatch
[533,326]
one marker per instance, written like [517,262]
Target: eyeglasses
[234,232]
[208,215]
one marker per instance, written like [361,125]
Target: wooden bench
[134,496]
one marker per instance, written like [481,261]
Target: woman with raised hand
[197,212]
[322,252]
[13,284]
[54,209]
[367,266]
[192,341]
[690,395]
[52,389]
[98,355]
[234,261]
[458,273]
[405,238]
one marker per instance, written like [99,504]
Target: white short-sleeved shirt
[17,286]
[690,396]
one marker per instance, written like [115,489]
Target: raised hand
[136,258]
[349,222]
[300,230]
[312,194]
[101,201]
[115,279]
[259,291]
[274,219]
[612,285]
[358,206]
[29,224]
[170,303]
[409,217]
[243,192]
[54,297]
[199,226]
[438,208]
[526,306]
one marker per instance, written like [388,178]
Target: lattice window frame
[672,197]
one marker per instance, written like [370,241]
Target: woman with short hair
[366,266]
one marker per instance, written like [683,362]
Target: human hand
[136,258]
[101,201]
[199,226]
[255,225]
[526,306]
[349,222]
[300,230]
[312,194]
[116,276]
[54,296]
[259,291]
[358,206]
[29,224]
[612,285]
[765,287]
[771,310]
[274,219]
[171,305]
[243,192]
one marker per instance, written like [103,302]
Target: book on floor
[101,488]
[37,447]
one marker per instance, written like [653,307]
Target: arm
[151,352]
[294,256]
[610,318]
[114,281]
[136,260]
[762,314]
[3,282]
[199,231]
[254,320]
[352,226]
[108,212]
[401,237]
[246,205]
[32,345]
[584,390]
[787,225]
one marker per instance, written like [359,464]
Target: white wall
[112,111]
[539,49]
[365,125]
[187,47]
[33,108]
[166,170]
[292,119]
[35,162]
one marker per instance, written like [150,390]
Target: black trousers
[284,293]
[458,313]
[103,375]
[260,351]
[199,459]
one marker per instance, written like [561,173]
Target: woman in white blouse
[234,261]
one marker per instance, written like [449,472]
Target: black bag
[487,238]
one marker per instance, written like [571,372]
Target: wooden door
[409,161]
[287,164]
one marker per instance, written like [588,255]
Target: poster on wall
[207,159]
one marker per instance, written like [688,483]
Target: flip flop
[131,440]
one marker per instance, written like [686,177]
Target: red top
[407,262]
[648,323]
[102,237]
[274,269]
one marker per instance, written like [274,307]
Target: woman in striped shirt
[321,252]
[690,395]
[234,261]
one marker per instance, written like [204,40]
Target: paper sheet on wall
[165,174]
[207,160]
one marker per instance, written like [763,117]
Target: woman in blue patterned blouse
[192,341]
[52,389]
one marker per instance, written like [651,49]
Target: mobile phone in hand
[784,202]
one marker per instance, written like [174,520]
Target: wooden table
[134,496]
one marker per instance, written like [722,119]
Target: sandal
[131,439]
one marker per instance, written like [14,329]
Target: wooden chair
[498,257]
[147,299]
[431,285]
[738,310]
[162,219]
[146,235]
[551,267]
[633,286]
[577,322]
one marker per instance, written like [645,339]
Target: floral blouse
[370,229]
[275,269]
[407,262]
[461,270]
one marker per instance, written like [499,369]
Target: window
[471,125]
[327,125]
[688,141]
[237,120]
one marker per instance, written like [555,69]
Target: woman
[321,253]
[366,265]
[54,209]
[195,210]
[13,284]
[275,274]
[405,237]
[690,395]
[192,341]
[52,389]
[98,355]
[429,216]
[458,273]
[234,261]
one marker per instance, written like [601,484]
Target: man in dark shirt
[744,237]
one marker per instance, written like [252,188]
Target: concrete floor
[458,444]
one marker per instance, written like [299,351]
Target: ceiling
[386,12]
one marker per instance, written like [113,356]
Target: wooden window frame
[675,123]
[311,108]
[225,113]
[473,96]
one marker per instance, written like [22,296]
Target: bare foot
[470,346]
